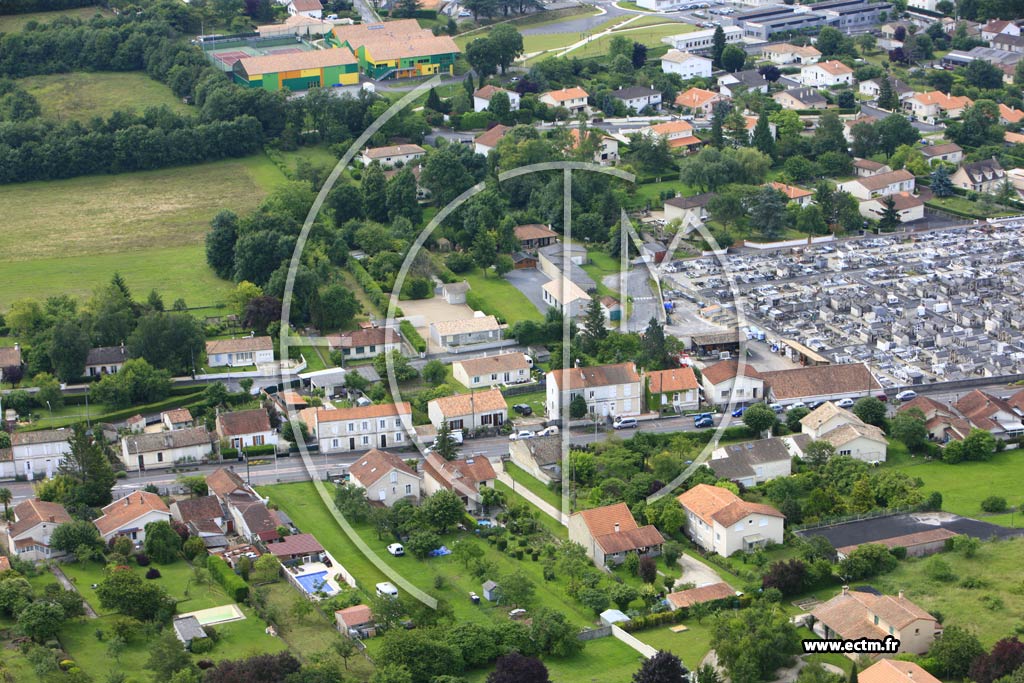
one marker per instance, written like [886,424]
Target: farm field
[963,486]
[149,226]
[14,23]
[81,96]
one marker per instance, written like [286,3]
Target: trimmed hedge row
[413,337]
[231,582]
[373,291]
[266,449]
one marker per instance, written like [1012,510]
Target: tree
[517,668]
[909,427]
[49,395]
[503,264]
[733,58]
[942,186]
[447,446]
[167,657]
[137,382]
[482,55]
[788,577]
[829,136]
[500,105]
[516,589]
[423,542]
[752,643]
[220,243]
[870,410]
[401,196]
[442,510]
[507,44]
[831,42]
[979,444]
[162,543]
[594,330]
[434,372]
[126,592]
[717,139]
[351,502]
[484,250]
[552,633]
[1006,656]
[718,46]
[406,8]
[274,668]
[817,453]
[41,620]
[762,138]
[69,349]
[759,418]
[768,212]
[794,415]
[6,496]
[639,56]
[68,537]
[578,407]
[647,570]
[867,43]
[338,306]
[887,98]
[893,131]
[375,193]
[391,673]
[954,652]
[663,667]
[170,341]
[890,216]
[655,354]
[983,74]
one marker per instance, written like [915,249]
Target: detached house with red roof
[721,522]
[469,411]
[855,614]
[723,378]
[701,102]
[245,428]
[130,515]
[28,536]
[574,99]
[385,477]
[467,477]
[239,352]
[893,671]
[482,98]
[826,74]
[610,533]
[991,413]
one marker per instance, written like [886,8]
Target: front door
[142,463]
[351,443]
[383,441]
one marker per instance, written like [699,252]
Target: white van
[387,588]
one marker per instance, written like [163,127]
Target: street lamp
[50,408]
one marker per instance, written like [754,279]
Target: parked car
[739,411]
[777,408]
[454,435]
[523,409]
[520,435]
[814,405]
[882,397]
[624,423]
[798,404]
[907,395]
[845,403]
[548,431]
[704,422]
[396,549]
[703,416]
[387,588]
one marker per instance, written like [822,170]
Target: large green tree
[375,193]
[170,341]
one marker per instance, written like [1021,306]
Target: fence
[519,389]
[595,633]
[786,244]
[835,521]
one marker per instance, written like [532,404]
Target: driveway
[645,302]
[696,572]
[529,281]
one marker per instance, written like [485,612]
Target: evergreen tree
[595,331]
[467,84]
[88,466]
[763,140]
[717,120]
[890,216]
[853,674]
[375,193]
[433,101]
[655,346]
[406,8]
[718,46]
[887,98]
[664,667]
[942,186]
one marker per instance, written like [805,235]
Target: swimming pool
[217,615]
[315,581]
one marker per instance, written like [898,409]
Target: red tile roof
[296,544]
[726,370]
[676,379]
[693,596]
[128,509]
[33,511]
[243,422]
[375,464]
[716,504]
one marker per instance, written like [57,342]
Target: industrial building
[397,49]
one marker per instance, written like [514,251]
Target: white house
[639,98]
[609,390]
[999,27]
[950,152]
[752,462]
[703,41]
[482,98]
[393,154]
[469,411]
[176,418]
[488,140]
[489,371]
[129,516]
[245,428]
[161,450]
[686,64]
[879,185]
[385,477]
[105,360]
[857,614]
[720,521]
[610,533]
[366,342]
[786,53]
[40,453]
[846,432]
[931,106]
[239,352]
[909,207]
[565,296]
[306,8]
[873,88]
[722,379]
[826,74]
[794,194]
[360,428]
[986,175]
[574,99]
[701,102]
[28,536]
[480,329]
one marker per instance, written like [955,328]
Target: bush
[479,303]
[502,544]
[153,573]
[994,504]
[412,336]
[204,664]
[142,559]
[373,291]
[459,262]
[201,646]
[227,578]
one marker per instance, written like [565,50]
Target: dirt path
[63,579]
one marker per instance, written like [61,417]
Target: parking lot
[529,281]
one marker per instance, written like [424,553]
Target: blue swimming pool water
[311,583]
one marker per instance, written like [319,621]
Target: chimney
[54,519]
[910,673]
[900,595]
[846,590]
[17,346]
[616,527]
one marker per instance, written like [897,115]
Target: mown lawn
[690,645]
[551,524]
[648,35]
[503,296]
[79,96]
[605,660]
[523,478]
[965,485]
[148,226]
[973,208]
[534,399]
[14,23]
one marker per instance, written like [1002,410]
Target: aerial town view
[511,341]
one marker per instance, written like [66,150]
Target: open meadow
[80,96]
[14,23]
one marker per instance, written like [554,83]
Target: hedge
[266,449]
[235,586]
[412,336]
[478,303]
[373,291]
[954,212]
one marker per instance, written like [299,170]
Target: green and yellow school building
[396,49]
[298,70]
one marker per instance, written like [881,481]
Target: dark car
[703,423]
[523,409]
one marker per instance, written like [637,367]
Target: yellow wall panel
[307,73]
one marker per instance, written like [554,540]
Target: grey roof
[634,92]
[490,585]
[545,450]
[106,355]
[750,78]
[188,629]
[179,438]
[979,169]
[691,202]
[807,95]
[40,436]
[553,251]
[217,541]
[743,456]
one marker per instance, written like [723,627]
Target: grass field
[503,296]
[13,23]
[529,22]
[605,660]
[965,485]
[650,36]
[80,96]
[534,399]
[148,226]
[532,484]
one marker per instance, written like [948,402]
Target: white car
[798,404]
[845,403]
[520,435]
[396,549]
[907,395]
[548,431]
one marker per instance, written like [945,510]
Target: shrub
[412,336]
[502,544]
[459,262]
[228,579]
[899,552]
[204,664]
[648,570]
[937,569]
[994,504]
[153,573]
[201,646]
[142,559]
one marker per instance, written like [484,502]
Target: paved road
[881,114]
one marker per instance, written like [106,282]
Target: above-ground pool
[315,581]
[216,615]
